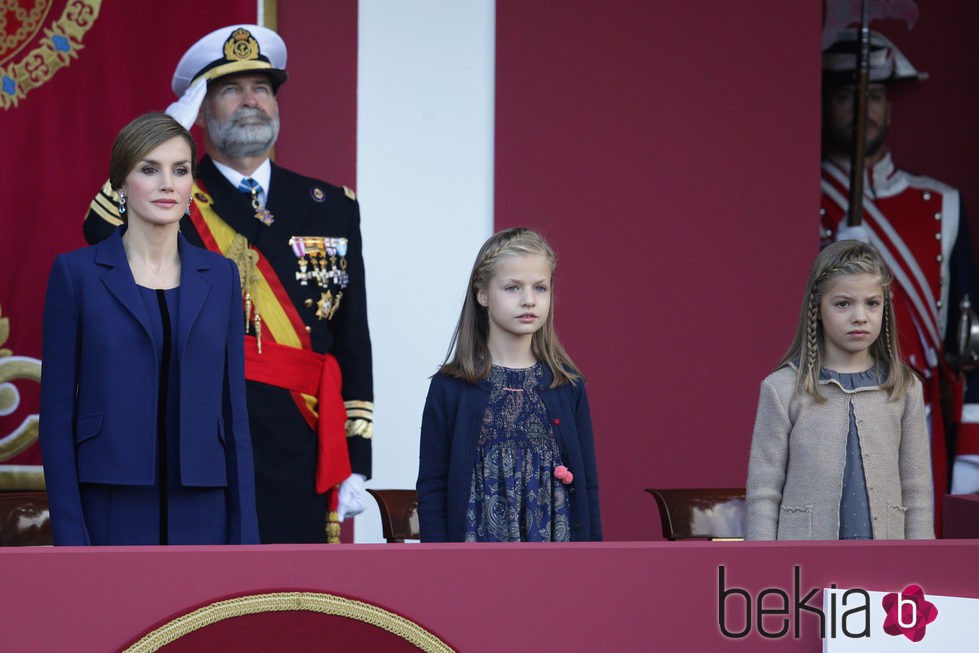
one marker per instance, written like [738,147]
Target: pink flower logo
[908,613]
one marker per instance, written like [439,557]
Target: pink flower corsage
[562,474]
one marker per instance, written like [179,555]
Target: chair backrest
[399,514]
[24,519]
[701,513]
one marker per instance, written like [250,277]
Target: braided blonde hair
[468,357]
[837,260]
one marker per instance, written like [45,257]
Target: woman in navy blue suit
[144,430]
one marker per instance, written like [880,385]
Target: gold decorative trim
[359,428]
[270,15]
[270,19]
[290,601]
[233,67]
[21,477]
[356,403]
[360,415]
[60,45]
[14,368]
[30,19]
[106,205]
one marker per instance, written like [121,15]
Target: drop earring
[189,202]
[122,203]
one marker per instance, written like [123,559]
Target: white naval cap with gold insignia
[232,49]
[887,63]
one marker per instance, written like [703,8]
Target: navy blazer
[450,430]
[101,379]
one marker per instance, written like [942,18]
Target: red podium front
[634,596]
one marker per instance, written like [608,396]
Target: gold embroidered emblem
[14,368]
[241,46]
[54,47]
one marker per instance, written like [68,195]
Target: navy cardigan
[450,429]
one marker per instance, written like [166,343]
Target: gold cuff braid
[360,428]
[360,416]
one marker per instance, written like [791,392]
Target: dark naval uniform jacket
[285,447]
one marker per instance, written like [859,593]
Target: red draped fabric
[72,73]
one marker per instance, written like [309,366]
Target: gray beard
[235,141]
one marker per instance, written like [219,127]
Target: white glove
[353,496]
[860,232]
[186,109]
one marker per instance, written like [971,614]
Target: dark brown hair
[139,138]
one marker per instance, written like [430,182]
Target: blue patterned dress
[514,496]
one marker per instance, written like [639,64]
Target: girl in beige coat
[840,445]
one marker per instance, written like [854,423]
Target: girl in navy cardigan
[507,453]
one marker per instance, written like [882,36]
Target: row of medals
[322,259]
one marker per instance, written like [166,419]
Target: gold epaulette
[360,419]
[106,205]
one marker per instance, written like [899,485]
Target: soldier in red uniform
[917,224]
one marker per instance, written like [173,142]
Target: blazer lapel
[119,281]
[194,288]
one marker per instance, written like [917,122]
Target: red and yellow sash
[286,359]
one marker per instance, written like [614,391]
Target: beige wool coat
[798,451]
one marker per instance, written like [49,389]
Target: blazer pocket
[895,521]
[87,427]
[795,523]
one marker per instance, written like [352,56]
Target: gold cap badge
[241,46]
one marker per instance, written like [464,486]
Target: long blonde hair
[839,259]
[468,357]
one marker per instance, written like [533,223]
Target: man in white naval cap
[297,244]
[917,224]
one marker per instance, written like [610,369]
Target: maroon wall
[670,152]
[319,104]
[646,596]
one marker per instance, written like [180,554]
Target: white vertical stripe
[425,180]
